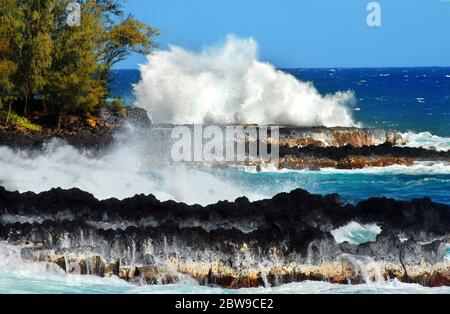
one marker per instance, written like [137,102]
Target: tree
[72,83]
[83,56]
[62,69]
[36,54]
[127,37]
[123,36]
[11,42]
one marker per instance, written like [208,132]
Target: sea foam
[426,140]
[355,233]
[122,172]
[226,83]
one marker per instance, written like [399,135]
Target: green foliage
[47,65]
[73,83]
[127,37]
[11,43]
[117,106]
[18,121]
[36,53]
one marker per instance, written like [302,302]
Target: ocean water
[406,99]
[20,282]
[126,171]
[412,100]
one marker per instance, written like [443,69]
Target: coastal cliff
[241,244]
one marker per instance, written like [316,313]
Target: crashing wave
[355,233]
[228,84]
[426,140]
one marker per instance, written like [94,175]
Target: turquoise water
[17,276]
[46,283]
[353,186]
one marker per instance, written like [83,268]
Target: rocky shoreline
[94,135]
[234,245]
[350,157]
[291,136]
[300,148]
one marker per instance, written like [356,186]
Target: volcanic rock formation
[240,244]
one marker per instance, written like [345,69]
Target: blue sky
[307,33]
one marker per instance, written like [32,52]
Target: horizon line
[338,67]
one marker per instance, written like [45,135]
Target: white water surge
[123,172]
[419,168]
[355,233]
[426,140]
[227,84]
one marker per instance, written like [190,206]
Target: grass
[18,121]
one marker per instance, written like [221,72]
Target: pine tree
[123,36]
[83,56]
[62,68]
[11,42]
[72,84]
[36,55]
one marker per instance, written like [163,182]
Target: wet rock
[229,244]
[93,266]
[61,262]
[386,248]
[138,116]
[148,273]
[112,269]
[337,137]
[355,157]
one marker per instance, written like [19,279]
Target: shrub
[18,121]
[117,106]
